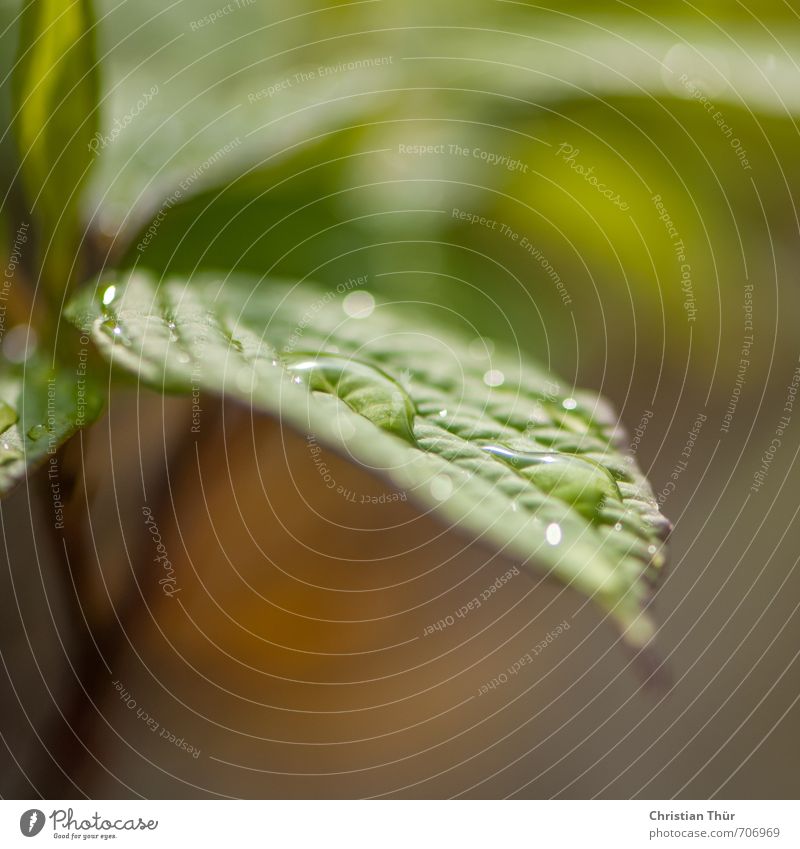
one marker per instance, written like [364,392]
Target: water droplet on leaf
[367,390]
[359,305]
[37,432]
[441,487]
[553,533]
[494,377]
[581,483]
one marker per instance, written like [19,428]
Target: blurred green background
[285,139]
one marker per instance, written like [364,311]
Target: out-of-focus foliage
[8,157]
[54,106]
[647,98]
[48,98]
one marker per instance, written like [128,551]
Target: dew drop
[359,305]
[366,389]
[109,295]
[37,432]
[494,377]
[581,483]
[553,533]
[441,487]
[569,403]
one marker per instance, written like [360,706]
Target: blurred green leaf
[326,203]
[502,63]
[496,446]
[40,408]
[55,98]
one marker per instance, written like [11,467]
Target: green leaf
[55,97]
[40,408]
[534,59]
[496,446]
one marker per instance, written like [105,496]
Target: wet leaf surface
[494,445]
